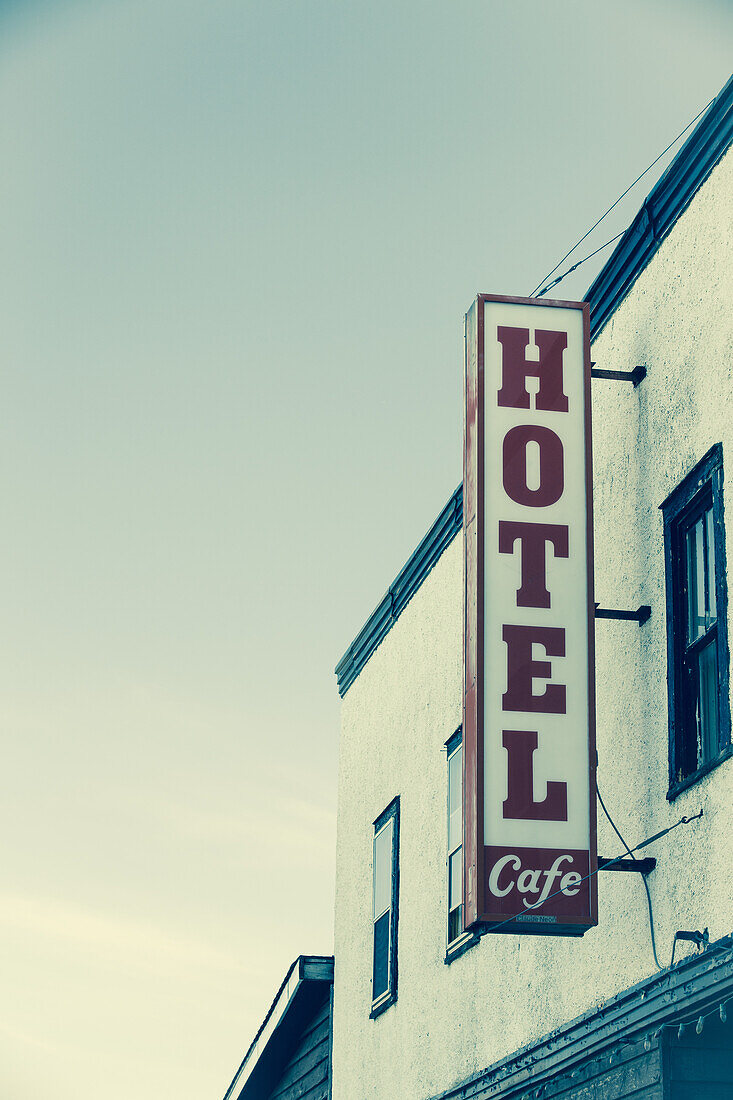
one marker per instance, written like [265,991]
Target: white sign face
[529,701]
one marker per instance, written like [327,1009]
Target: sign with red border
[529,671]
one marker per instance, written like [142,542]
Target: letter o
[552,470]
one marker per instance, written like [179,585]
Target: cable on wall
[585,878]
[643,879]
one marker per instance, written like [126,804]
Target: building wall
[701,1067]
[304,1076]
[452,1020]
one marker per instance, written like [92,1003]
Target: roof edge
[689,989]
[401,591]
[666,202]
[306,968]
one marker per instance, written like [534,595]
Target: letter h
[515,367]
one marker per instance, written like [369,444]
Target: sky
[238,242]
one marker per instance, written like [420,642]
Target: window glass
[380,974]
[455,842]
[701,661]
[455,879]
[455,924]
[383,870]
[455,799]
[695,583]
[385,903]
[711,563]
[707,704]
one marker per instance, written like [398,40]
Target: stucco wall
[450,1021]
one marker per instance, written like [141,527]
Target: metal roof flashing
[693,987]
[663,206]
[667,200]
[401,591]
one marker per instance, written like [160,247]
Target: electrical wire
[694,1017]
[663,832]
[590,256]
[621,196]
[585,878]
[643,879]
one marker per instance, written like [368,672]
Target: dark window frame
[701,489]
[453,745]
[459,944]
[387,999]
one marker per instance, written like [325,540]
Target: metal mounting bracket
[639,616]
[634,376]
[642,866]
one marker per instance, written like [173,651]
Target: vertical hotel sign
[529,701]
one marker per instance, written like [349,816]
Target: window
[385,886]
[697,643]
[455,837]
[458,939]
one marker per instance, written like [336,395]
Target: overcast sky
[238,241]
